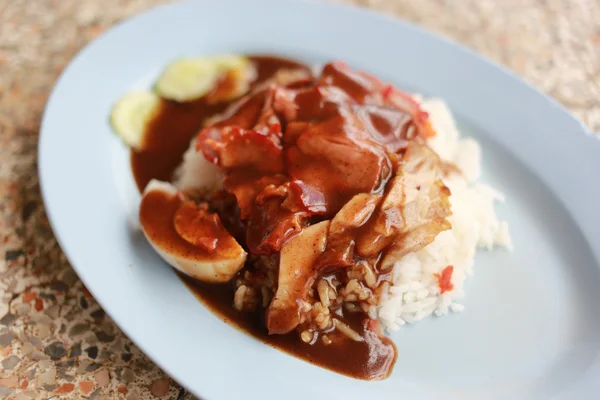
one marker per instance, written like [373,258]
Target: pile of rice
[415,291]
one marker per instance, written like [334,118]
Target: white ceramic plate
[531,328]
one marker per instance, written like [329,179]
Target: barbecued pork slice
[296,276]
[414,210]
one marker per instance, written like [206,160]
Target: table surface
[55,341]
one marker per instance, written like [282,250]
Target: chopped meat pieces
[333,182]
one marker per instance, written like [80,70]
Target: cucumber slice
[130,115]
[240,70]
[187,79]
[230,61]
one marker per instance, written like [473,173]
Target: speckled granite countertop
[55,341]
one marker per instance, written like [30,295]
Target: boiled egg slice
[187,236]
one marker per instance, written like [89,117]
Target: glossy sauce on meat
[294,167]
[170,131]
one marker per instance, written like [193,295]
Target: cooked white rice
[196,173]
[415,293]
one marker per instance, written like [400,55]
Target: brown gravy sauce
[168,137]
[368,360]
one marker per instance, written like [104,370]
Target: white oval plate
[531,328]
